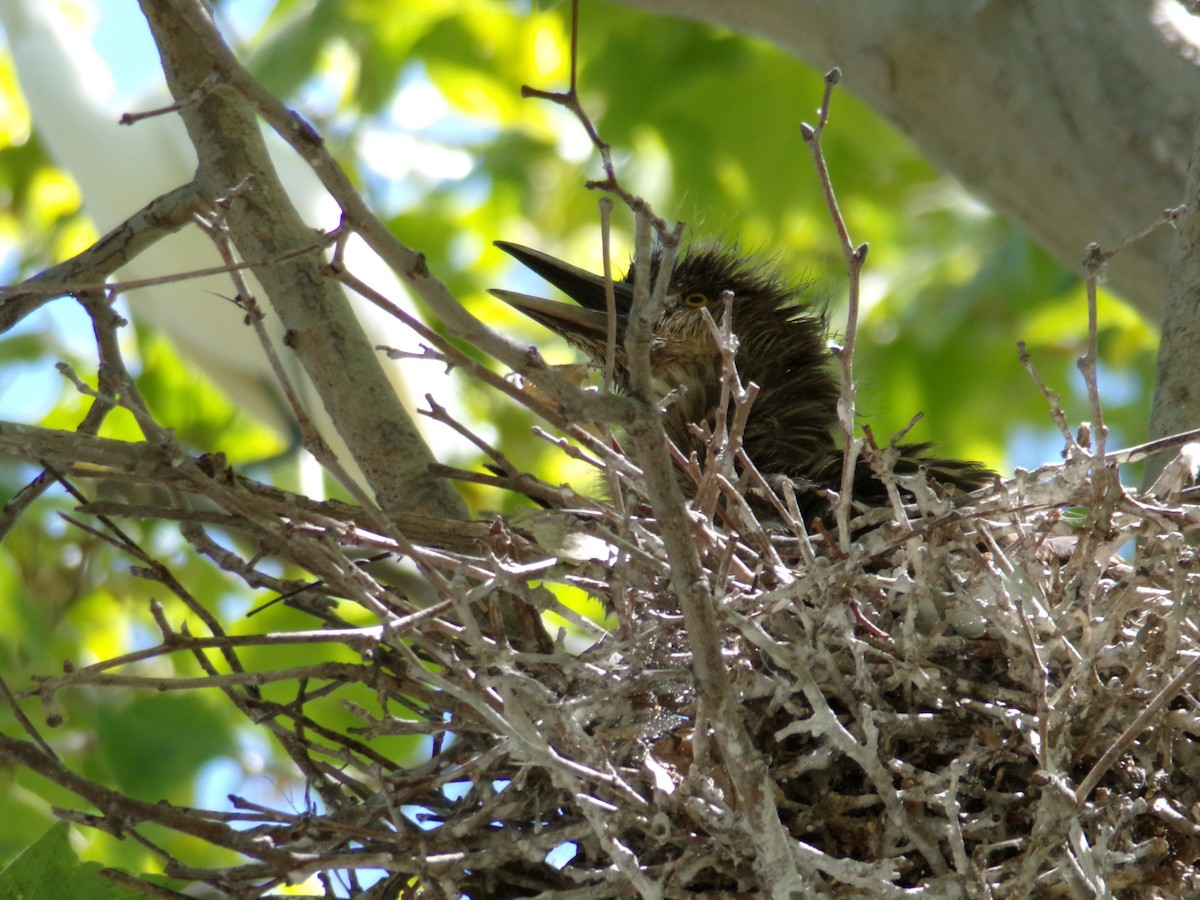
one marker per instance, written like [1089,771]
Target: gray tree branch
[322,329]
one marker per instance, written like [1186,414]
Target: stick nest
[979,699]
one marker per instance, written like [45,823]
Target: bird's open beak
[588,320]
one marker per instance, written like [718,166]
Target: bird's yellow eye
[695,301]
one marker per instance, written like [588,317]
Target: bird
[783,347]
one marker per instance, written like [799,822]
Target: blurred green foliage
[703,122]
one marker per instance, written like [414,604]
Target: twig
[855,257]
[1087,363]
[1053,399]
[206,87]
[1169,691]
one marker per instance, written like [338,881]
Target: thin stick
[855,257]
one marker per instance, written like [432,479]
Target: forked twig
[855,257]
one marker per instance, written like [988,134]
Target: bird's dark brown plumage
[782,348]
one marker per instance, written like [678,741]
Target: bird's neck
[789,430]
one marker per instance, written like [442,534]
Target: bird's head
[781,341]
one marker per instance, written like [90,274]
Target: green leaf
[50,870]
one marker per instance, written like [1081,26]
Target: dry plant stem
[1104,474]
[612,477]
[1167,217]
[797,520]
[12,510]
[855,256]
[541,733]
[611,459]
[1140,452]
[610,299]
[439,413]
[153,570]
[570,101]
[1052,398]
[717,438]
[1045,709]
[341,672]
[239,503]
[111,533]
[727,439]
[789,512]
[1087,364]
[256,508]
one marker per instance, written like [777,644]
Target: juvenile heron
[782,348]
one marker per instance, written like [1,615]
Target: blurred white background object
[75,109]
